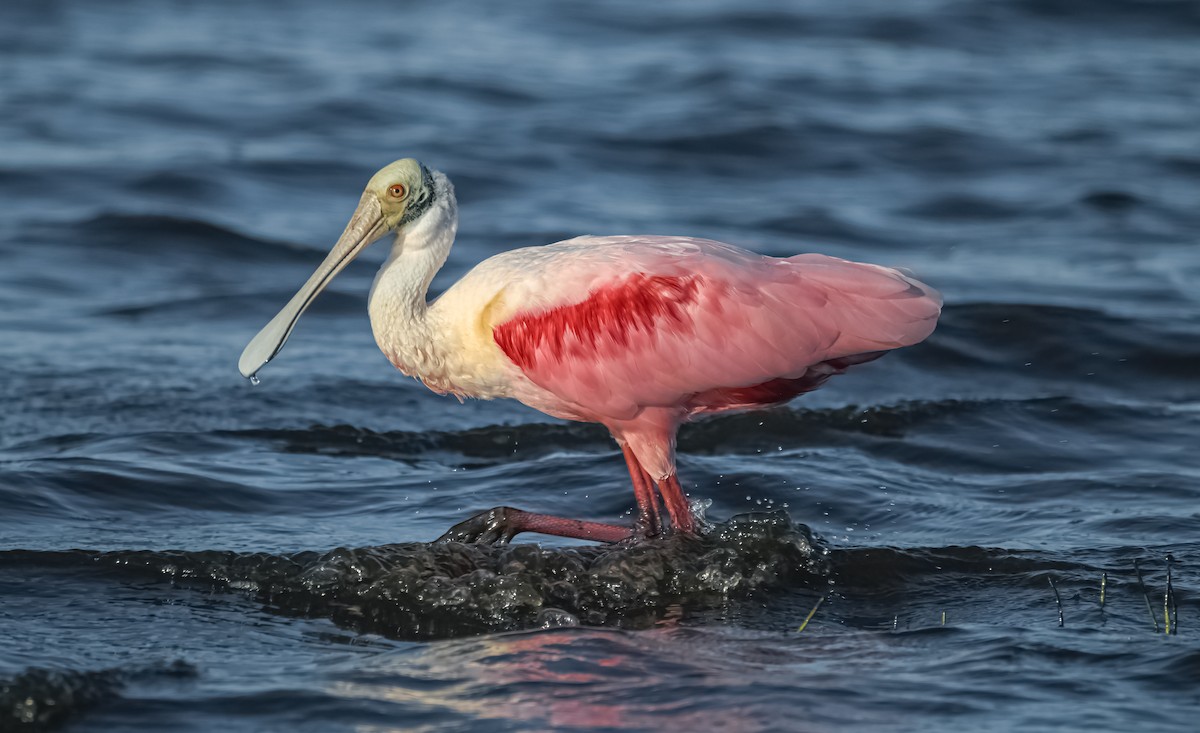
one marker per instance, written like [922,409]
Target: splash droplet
[254,380]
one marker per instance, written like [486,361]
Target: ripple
[961,207]
[149,234]
[1063,344]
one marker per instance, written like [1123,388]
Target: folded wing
[617,324]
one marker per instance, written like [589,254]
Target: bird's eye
[397,191]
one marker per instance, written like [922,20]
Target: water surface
[182,551]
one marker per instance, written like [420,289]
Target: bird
[638,333]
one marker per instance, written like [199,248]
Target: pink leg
[501,524]
[649,518]
[574,528]
[677,505]
[649,440]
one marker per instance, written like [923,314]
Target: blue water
[170,173]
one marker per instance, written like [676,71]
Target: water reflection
[567,679]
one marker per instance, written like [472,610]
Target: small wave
[211,307]
[753,140]
[43,699]
[824,224]
[724,434]
[951,150]
[877,569]
[1162,15]
[1111,200]
[1060,343]
[962,207]
[730,433]
[75,483]
[176,183]
[486,444]
[498,91]
[155,233]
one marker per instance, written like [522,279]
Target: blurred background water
[171,172]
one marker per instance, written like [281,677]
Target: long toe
[498,526]
[495,526]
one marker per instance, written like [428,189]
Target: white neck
[397,302]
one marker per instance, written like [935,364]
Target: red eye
[397,191]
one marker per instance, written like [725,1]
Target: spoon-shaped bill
[365,226]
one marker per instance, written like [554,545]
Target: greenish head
[404,189]
[395,196]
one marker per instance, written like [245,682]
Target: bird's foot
[648,526]
[499,525]
[682,521]
[493,527]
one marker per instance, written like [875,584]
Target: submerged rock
[43,699]
[419,590]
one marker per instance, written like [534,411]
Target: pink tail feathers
[876,308]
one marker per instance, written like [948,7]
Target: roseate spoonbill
[638,333]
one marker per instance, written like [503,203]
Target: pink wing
[623,323]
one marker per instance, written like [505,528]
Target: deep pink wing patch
[708,330]
[599,325]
